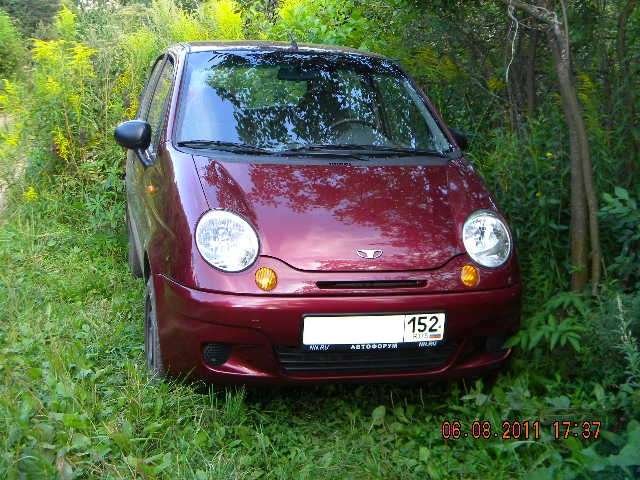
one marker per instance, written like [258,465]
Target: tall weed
[13,51]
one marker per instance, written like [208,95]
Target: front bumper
[258,327]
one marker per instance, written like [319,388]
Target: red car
[303,214]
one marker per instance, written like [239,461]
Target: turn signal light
[470,276]
[266,279]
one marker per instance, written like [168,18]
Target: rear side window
[158,106]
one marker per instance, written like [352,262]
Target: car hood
[316,217]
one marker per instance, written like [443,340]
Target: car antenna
[294,44]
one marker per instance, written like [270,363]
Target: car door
[133,167]
[142,182]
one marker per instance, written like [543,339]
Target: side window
[145,98]
[158,105]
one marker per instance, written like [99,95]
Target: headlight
[486,238]
[226,241]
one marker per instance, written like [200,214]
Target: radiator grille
[371,284]
[294,359]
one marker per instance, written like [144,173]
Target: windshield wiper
[316,149]
[403,151]
[365,149]
[313,150]
[222,145]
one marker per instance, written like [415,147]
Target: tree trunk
[606,67]
[530,74]
[626,88]
[578,229]
[584,203]
[621,40]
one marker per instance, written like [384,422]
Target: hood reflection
[316,216]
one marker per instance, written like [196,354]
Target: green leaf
[560,403]
[72,420]
[121,439]
[621,193]
[423,454]
[628,456]
[592,460]
[535,339]
[630,453]
[80,442]
[546,473]
[65,471]
[378,415]
[575,343]
[398,412]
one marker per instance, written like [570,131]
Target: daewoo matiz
[303,214]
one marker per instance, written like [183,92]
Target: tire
[152,347]
[133,258]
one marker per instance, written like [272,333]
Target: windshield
[286,100]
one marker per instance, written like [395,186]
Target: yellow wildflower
[82,59]
[11,88]
[75,100]
[228,22]
[47,51]
[30,194]
[448,68]
[65,23]
[132,110]
[495,84]
[12,139]
[9,92]
[62,144]
[549,155]
[52,87]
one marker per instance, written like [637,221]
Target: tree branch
[539,13]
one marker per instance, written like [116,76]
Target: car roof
[267,46]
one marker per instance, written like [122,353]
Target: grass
[76,401]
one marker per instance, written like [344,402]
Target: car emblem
[369,253]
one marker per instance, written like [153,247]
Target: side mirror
[461,139]
[135,135]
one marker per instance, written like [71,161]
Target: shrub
[31,14]
[620,215]
[63,79]
[534,199]
[12,48]
[224,19]
[322,21]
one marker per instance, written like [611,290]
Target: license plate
[375,332]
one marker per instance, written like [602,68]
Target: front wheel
[152,348]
